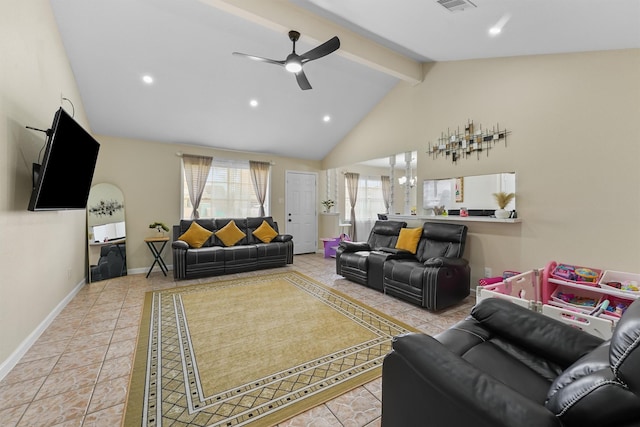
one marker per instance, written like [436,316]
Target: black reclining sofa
[507,366]
[353,259]
[435,276]
[214,258]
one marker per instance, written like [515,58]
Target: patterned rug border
[137,382]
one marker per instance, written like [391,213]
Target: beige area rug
[253,351]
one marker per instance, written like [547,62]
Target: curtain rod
[181,154]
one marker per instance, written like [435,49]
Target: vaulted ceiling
[201,93]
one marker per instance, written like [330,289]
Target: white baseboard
[145,270]
[7,365]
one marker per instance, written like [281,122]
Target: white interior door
[301,213]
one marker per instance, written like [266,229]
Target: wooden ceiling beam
[282,15]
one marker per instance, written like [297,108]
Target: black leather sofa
[214,258]
[435,277]
[353,259]
[506,366]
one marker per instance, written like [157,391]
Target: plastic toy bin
[555,274]
[585,301]
[577,274]
[622,278]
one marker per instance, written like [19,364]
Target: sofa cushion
[196,235]
[230,234]
[384,234]
[441,240]
[265,233]
[408,239]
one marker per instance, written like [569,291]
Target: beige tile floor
[77,372]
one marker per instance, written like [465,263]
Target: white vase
[502,213]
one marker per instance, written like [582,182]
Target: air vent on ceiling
[456,5]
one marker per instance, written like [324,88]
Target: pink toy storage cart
[582,303]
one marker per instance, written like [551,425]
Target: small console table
[157,252]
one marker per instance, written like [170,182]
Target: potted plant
[328,204]
[503,199]
[160,228]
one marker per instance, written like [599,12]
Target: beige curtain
[260,180]
[386,191]
[196,171]
[352,191]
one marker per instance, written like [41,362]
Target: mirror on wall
[470,192]
[402,169]
[106,232]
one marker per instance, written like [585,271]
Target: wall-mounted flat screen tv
[64,179]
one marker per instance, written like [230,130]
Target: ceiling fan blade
[259,58]
[302,80]
[322,50]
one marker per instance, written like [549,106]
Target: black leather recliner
[506,366]
[352,258]
[435,277]
[112,263]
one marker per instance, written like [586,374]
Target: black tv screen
[64,179]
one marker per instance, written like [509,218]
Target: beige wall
[575,146]
[42,254]
[149,175]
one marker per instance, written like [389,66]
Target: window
[369,202]
[228,193]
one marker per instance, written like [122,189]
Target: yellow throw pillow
[408,239]
[230,234]
[265,232]
[195,235]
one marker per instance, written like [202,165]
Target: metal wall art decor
[473,140]
[106,208]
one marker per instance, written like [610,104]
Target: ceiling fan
[294,62]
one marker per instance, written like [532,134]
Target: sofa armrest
[446,262]
[393,253]
[534,331]
[180,244]
[424,382]
[283,238]
[354,246]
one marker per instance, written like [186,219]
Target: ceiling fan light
[293,66]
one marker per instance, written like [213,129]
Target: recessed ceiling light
[326,118]
[147,79]
[253,103]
